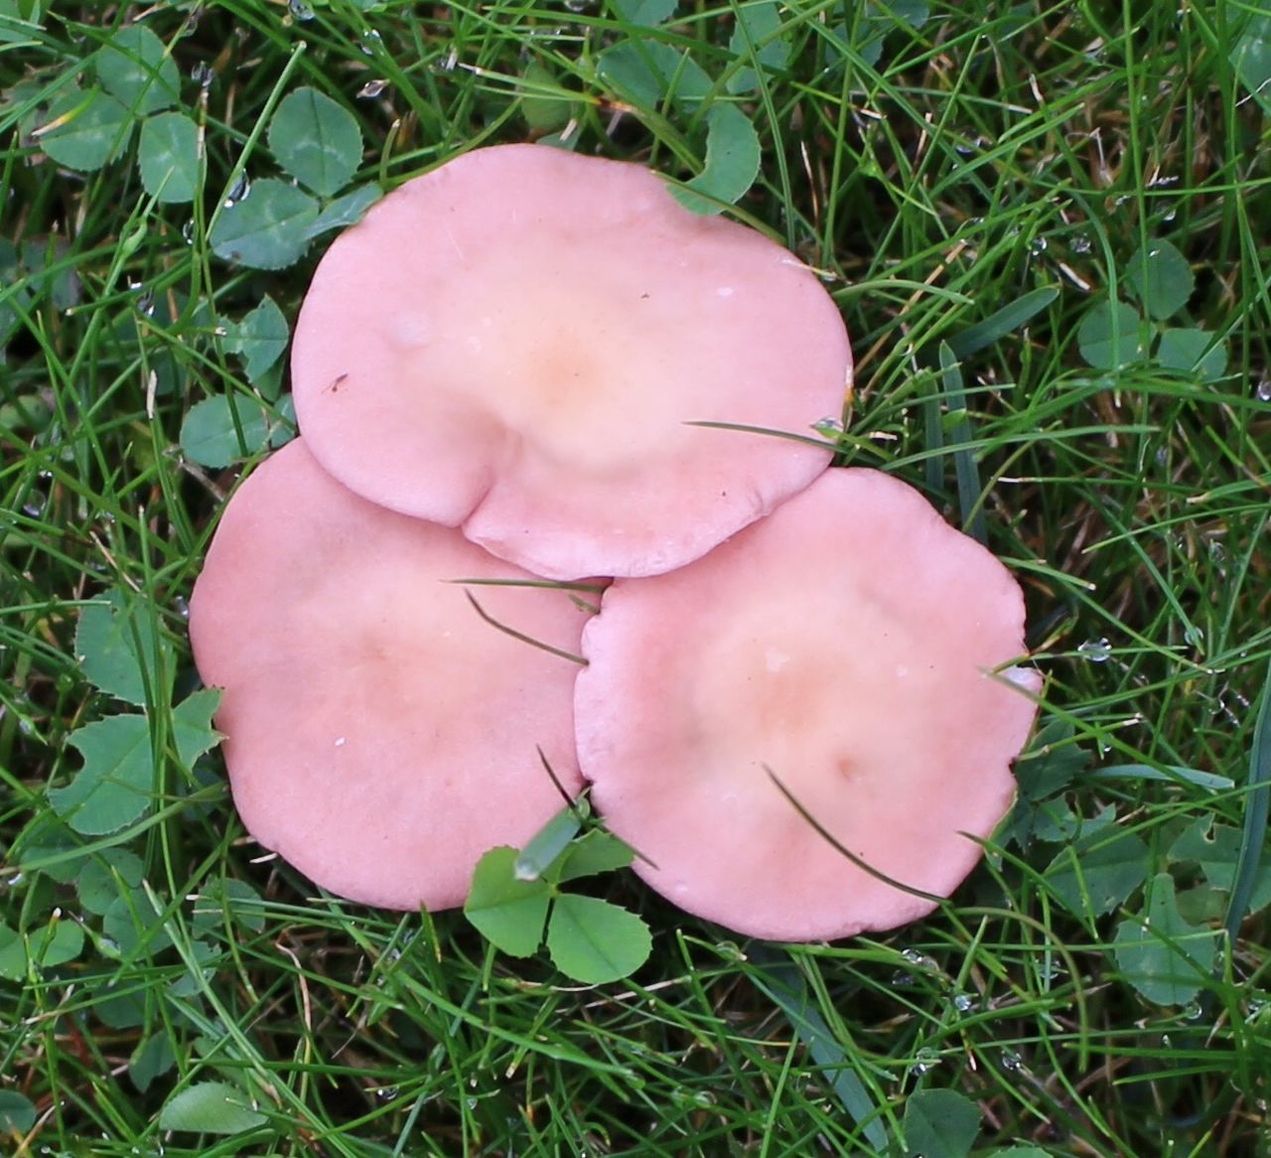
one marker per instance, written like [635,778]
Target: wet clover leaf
[732,162]
[1110,336]
[227,428]
[210,1108]
[940,1124]
[516,894]
[647,72]
[316,140]
[594,941]
[116,785]
[135,67]
[84,130]
[1097,872]
[649,13]
[508,912]
[757,37]
[259,339]
[54,944]
[17,1113]
[119,648]
[268,228]
[1160,954]
[1193,351]
[168,158]
[1160,278]
[346,210]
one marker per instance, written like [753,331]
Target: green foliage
[228,427]
[85,129]
[168,158]
[732,162]
[940,1124]
[210,1108]
[135,68]
[960,174]
[17,1113]
[316,140]
[1160,954]
[1251,54]
[259,339]
[46,947]
[1114,335]
[1097,872]
[515,894]
[120,649]
[120,777]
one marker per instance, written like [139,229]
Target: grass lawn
[1048,227]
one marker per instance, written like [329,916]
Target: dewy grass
[165,985]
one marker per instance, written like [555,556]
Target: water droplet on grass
[300,10]
[203,74]
[963,1002]
[1082,244]
[925,1060]
[181,607]
[1037,246]
[386,1092]
[371,89]
[828,427]
[1012,1062]
[1263,390]
[241,188]
[1096,650]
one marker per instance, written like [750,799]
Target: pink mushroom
[519,342]
[854,644]
[379,734]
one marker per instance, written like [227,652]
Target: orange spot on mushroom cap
[845,642]
[527,336]
[379,735]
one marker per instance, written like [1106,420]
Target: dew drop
[963,1002]
[371,89]
[187,232]
[203,74]
[241,188]
[386,1092]
[299,10]
[34,506]
[1096,650]
[181,607]
[1263,390]
[925,1059]
[828,427]
[578,5]
[1037,246]
[370,41]
[1012,1062]
[900,979]
[1082,243]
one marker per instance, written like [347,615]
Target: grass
[993,151]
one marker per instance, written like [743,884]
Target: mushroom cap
[378,734]
[843,643]
[518,342]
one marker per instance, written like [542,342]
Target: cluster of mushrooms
[526,371]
